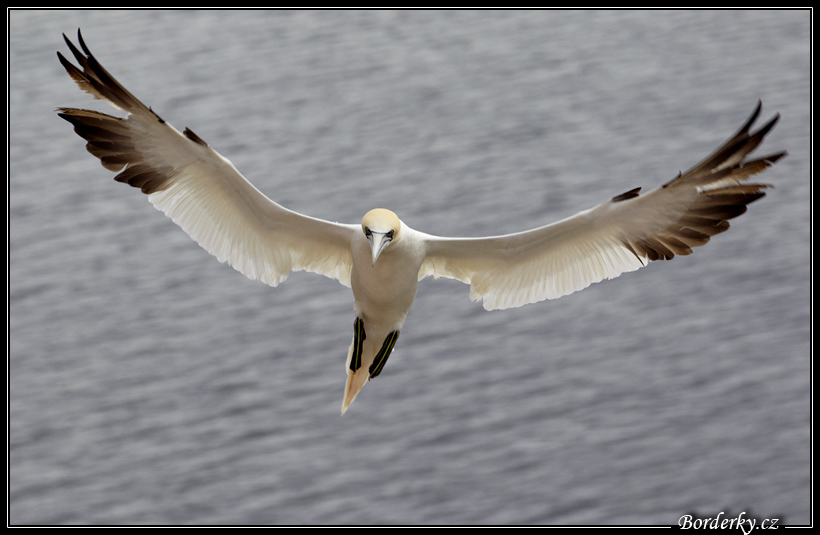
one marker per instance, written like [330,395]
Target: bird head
[381,228]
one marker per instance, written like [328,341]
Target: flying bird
[382,259]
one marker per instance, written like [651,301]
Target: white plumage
[383,259]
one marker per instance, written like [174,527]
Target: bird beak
[378,241]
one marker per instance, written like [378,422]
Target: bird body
[384,280]
[383,259]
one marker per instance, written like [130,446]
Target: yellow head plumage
[381,227]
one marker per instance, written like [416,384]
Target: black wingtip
[768,126]
[82,43]
[73,48]
[74,51]
[750,121]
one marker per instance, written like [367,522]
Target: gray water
[150,384]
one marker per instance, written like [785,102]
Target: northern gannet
[383,259]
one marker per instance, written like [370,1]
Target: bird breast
[387,289]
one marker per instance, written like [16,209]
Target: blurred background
[150,384]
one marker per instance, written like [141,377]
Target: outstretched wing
[619,235]
[200,190]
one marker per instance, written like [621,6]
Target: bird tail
[364,361]
[355,381]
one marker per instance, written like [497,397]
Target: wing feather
[200,190]
[622,234]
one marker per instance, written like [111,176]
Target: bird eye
[367,232]
[389,235]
